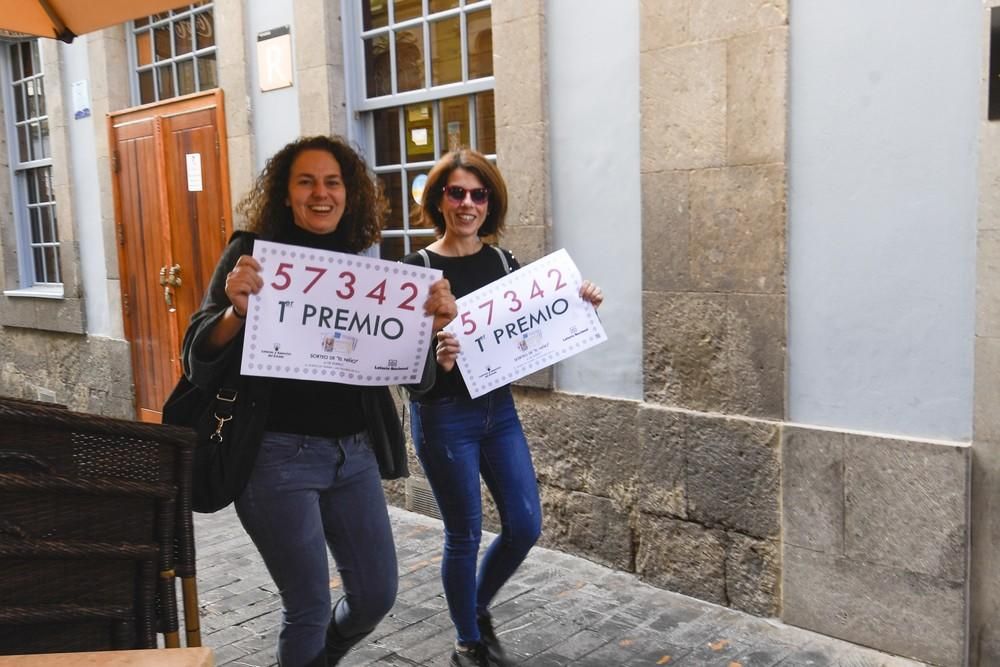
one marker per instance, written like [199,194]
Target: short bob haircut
[476,163]
[268,214]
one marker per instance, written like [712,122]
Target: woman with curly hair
[315,484]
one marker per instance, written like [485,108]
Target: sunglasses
[456,193]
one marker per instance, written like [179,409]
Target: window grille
[173,53]
[426,87]
[31,166]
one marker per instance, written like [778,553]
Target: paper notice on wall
[194,171]
[81,100]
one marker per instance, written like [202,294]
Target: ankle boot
[338,646]
[488,637]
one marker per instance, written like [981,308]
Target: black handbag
[228,438]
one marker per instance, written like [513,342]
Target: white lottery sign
[337,317]
[522,323]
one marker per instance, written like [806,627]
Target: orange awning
[65,19]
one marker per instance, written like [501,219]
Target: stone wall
[85,373]
[688,501]
[875,541]
[985,613]
[713,105]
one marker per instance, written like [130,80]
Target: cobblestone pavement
[557,610]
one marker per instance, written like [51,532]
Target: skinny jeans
[458,440]
[306,495]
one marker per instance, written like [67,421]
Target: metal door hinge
[115,162]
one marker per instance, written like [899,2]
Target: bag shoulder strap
[503,258]
[423,256]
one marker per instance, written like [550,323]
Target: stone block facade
[89,374]
[688,501]
[875,540]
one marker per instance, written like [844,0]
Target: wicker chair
[95,519]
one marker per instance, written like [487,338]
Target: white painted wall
[593,98]
[85,194]
[275,114]
[884,107]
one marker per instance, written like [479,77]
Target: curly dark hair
[486,171]
[365,210]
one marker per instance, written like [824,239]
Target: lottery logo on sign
[337,317]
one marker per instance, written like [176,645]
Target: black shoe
[478,655]
[336,646]
[473,656]
[489,639]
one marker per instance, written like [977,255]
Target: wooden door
[173,217]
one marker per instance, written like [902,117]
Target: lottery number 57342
[347,286]
[514,304]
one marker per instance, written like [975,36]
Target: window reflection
[480,44]
[143,50]
[183,42]
[441,5]
[419,132]
[409,59]
[375,14]
[392,185]
[386,136]
[455,122]
[486,135]
[161,43]
[27,59]
[165,82]
[20,108]
[206,72]
[446,51]
[404,10]
[204,29]
[185,77]
[147,92]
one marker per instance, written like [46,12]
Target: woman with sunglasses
[458,438]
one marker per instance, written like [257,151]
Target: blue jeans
[306,494]
[457,440]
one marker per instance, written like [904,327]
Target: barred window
[427,88]
[173,53]
[31,166]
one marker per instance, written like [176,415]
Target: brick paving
[557,610]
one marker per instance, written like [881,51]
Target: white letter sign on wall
[524,322]
[274,59]
[337,317]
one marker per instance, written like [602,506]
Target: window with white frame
[31,166]
[426,88]
[173,53]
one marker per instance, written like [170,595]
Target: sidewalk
[557,610]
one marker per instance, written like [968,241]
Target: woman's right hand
[243,281]
[447,350]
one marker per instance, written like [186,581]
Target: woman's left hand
[591,293]
[441,304]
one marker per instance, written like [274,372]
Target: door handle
[170,278]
